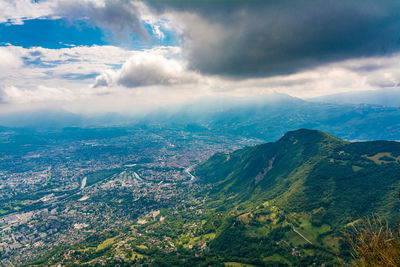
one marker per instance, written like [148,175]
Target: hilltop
[310,171]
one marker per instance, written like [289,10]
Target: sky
[98,56]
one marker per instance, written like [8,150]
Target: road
[137,176]
[301,235]
[192,177]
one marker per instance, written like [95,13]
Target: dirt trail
[305,238]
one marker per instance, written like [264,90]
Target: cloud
[40,75]
[148,68]
[240,39]
[122,18]
[352,75]
[16,11]
[160,76]
[40,94]
[64,77]
[266,38]
[8,59]
[75,63]
[304,48]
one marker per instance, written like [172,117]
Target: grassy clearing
[377,158]
[142,247]
[331,241]
[262,232]
[3,211]
[294,239]
[237,264]
[136,256]
[356,168]
[306,228]
[106,243]
[202,238]
[277,258]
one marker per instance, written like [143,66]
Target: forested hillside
[283,203]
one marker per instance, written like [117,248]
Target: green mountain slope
[308,170]
[300,191]
[276,204]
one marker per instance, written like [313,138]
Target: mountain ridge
[287,169]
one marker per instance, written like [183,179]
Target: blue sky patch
[51,34]
[60,33]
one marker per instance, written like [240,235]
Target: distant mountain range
[269,118]
[265,118]
[382,97]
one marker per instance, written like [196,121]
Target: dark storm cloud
[265,38]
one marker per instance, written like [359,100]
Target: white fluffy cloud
[8,59]
[47,75]
[67,65]
[16,11]
[65,77]
[146,68]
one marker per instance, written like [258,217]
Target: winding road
[192,177]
